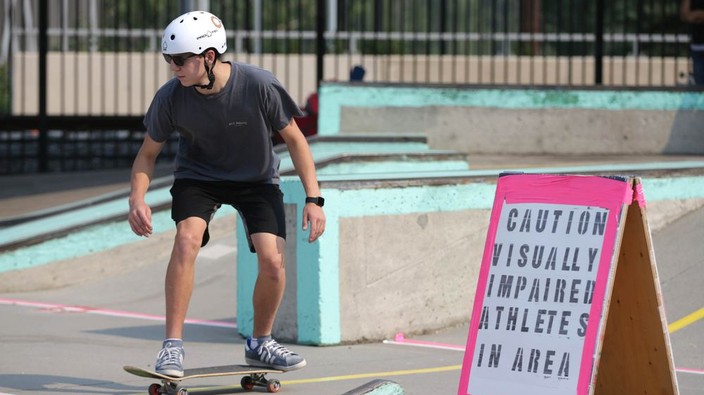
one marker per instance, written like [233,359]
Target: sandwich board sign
[568,299]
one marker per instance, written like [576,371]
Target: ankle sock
[254,342]
[173,343]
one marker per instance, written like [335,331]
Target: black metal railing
[76,76]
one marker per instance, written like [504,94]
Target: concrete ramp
[377,387]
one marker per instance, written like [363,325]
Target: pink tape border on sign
[594,191]
[639,196]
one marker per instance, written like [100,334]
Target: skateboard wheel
[182,391]
[154,389]
[273,385]
[247,383]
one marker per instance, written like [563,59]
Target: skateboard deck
[252,376]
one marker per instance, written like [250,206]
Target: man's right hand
[140,218]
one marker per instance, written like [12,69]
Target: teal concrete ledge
[100,223]
[333,149]
[334,96]
[394,162]
[520,120]
[62,220]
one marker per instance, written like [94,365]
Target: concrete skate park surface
[69,327]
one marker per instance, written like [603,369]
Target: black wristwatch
[317,200]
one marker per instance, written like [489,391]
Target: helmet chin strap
[211,75]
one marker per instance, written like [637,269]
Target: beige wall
[124,83]
[514,70]
[408,273]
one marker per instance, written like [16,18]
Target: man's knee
[188,239]
[272,266]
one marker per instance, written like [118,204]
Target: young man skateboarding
[225,114]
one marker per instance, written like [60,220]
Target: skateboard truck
[166,387]
[259,379]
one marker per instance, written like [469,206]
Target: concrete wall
[401,253]
[389,253]
[521,121]
[412,272]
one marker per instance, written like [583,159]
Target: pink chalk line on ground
[400,339]
[61,308]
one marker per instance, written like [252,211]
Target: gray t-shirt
[225,136]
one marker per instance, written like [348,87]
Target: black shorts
[261,206]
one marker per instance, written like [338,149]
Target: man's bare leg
[271,281]
[178,288]
[180,274]
[261,349]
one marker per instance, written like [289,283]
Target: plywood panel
[636,357]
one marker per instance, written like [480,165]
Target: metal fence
[76,76]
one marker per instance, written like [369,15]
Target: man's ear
[210,56]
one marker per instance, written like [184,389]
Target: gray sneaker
[271,354]
[169,361]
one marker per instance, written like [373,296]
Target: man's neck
[222,75]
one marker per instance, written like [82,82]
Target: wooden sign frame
[589,319]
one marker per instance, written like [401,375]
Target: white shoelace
[271,350]
[169,355]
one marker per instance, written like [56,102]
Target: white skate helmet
[194,32]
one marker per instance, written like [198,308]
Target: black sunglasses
[180,59]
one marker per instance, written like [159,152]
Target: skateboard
[252,376]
